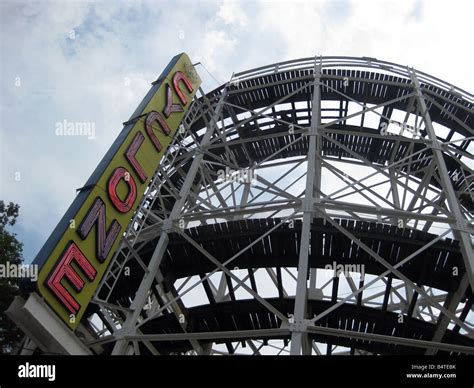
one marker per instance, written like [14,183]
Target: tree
[11,251]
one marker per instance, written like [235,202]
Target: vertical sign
[77,254]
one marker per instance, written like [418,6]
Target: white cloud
[216,43]
[232,12]
[436,41]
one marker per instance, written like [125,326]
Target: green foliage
[10,251]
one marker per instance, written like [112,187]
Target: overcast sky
[94,61]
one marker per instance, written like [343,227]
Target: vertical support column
[299,337]
[395,195]
[155,261]
[459,228]
[243,200]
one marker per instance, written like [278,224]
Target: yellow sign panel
[77,254]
